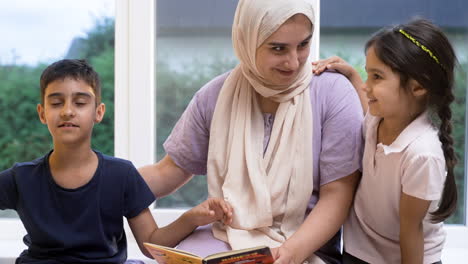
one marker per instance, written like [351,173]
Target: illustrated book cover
[167,255]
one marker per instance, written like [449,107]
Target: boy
[72,200]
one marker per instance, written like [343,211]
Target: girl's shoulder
[427,144]
[424,143]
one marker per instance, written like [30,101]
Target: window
[36,33]
[33,38]
[193,45]
[135,133]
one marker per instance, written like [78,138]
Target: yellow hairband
[420,45]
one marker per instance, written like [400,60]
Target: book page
[166,255]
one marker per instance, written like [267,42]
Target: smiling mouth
[285,73]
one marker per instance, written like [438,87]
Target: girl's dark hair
[433,72]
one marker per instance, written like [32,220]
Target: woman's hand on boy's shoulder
[211,210]
[333,63]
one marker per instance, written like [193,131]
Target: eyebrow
[285,44]
[374,70]
[78,94]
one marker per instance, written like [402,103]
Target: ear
[41,113]
[416,89]
[100,111]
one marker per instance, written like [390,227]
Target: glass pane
[35,34]
[193,45]
[344,33]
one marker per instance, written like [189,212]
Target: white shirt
[414,164]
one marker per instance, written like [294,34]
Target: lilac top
[337,136]
[337,145]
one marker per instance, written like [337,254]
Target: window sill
[12,232]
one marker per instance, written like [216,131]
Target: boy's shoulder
[28,165]
[115,162]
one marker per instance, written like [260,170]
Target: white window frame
[134,81]
[135,120]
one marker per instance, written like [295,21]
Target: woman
[274,141]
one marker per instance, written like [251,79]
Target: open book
[166,255]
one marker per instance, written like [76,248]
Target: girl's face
[387,99]
[281,57]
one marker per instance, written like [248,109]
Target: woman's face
[281,57]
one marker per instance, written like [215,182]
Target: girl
[408,186]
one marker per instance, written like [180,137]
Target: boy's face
[70,111]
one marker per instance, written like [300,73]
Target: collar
[422,124]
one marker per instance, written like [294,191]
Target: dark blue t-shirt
[83,225]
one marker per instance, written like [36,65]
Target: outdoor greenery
[25,138]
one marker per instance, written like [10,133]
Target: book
[167,255]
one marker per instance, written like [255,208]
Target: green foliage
[103,133]
[99,40]
[459,123]
[24,137]
[173,94]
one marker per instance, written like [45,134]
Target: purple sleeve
[341,142]
[187,144]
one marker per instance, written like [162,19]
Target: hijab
[269,191]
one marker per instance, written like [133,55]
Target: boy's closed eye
[81,101]
[55,102]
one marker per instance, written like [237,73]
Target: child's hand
[211,210]
[283,256]
[333,63]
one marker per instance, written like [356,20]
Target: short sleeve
[138,196]
[424,178]
[188,143]
[8,190]
[342,141]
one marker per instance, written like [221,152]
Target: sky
[34,31]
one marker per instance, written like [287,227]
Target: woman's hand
[211,210]
[334,63]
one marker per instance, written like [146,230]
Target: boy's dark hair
[425,55]
[78,70]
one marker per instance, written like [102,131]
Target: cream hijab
[269,191]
